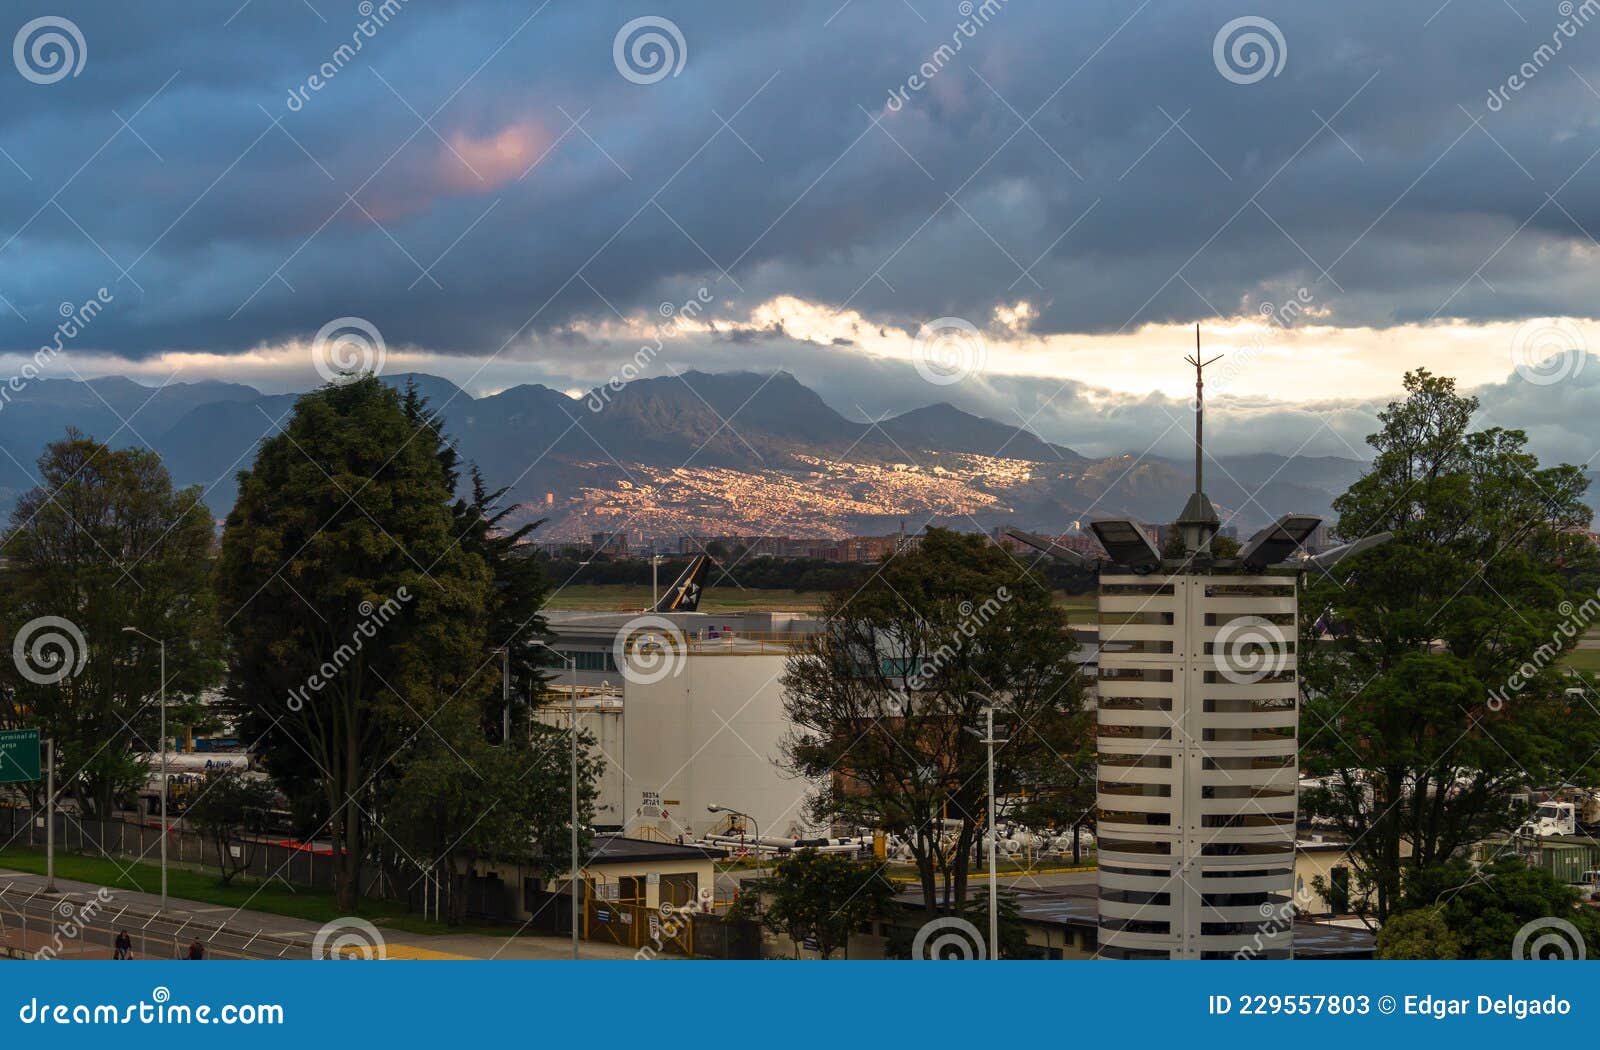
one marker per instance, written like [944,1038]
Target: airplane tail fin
[684,595]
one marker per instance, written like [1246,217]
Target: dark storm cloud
[219,230]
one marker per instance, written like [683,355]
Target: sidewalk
[228,932]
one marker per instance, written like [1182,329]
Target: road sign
[19,755]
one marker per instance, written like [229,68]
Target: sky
[1022,207]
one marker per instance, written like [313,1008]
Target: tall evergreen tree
[353,615]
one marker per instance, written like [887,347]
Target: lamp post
[714,808]
[163,645]
[505,695]
[572,700]
[994,833]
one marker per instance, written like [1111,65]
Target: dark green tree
[822,897]
[888,700]
[104,542]
[353,614]
[1430,665]
[230,811]
[1497,911]
[462,801]
[1419,934]
[947,940]
[514,619]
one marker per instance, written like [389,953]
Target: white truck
[1552,818]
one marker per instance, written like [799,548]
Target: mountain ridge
[722,452]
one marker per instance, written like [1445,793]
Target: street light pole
[571,660]
[714,808]
[163,645]
[50,816]
[505,696]
[572,788]
[989,741]
[994,835]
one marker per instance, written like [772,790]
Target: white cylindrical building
[1196,729]
[1198,769]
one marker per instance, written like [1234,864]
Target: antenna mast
[1199,521]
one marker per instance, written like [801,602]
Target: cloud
[1078,181]
[1269,392]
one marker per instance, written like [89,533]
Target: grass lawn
[274,898]
[1081,608]
[1006,867]
[618,597]
[1585,660]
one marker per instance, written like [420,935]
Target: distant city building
[613,543]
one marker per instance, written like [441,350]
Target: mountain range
[725,453]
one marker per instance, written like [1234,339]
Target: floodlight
[1126,543]
[1328,559]
[1278,541]
[1045,546]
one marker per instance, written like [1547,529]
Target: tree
[514,619]
[1496,911]
[104,542]
[1420,934]
[822,897]
[968,939]
[1429,665]
[462,801]
[888,699]
[354,615]
[230,812]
